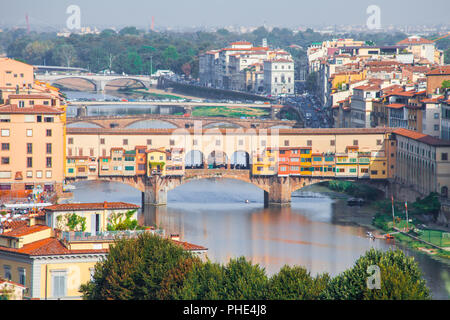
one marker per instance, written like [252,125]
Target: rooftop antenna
[153,24]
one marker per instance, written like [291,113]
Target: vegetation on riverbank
[228,112]
[425,209]
[150,267]
[357,190]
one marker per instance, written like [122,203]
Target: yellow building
[52,264]
[156,162]
[265,163]
[378,165]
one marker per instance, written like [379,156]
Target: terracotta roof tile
[188,246]
[90,206]
[12,108]
[24,230]
[48,247]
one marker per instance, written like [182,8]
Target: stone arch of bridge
[72,123]
[214,124]
[174,123]
[75,77]
[108,82]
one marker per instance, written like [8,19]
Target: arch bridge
[277,190]
[99,81]
[178,121]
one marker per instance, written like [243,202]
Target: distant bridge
[178,121]
[175,103]
[99,81]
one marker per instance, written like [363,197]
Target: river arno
[314,232]
[213,213]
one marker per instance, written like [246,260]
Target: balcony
[73,236]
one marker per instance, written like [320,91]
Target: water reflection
[213,213]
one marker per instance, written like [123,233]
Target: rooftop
[91,206]
[12,108]
[422,137]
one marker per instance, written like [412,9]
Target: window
[70,141]
[22,276]
[332,142]
[355,142]
[378,142]
[59,281]
[286,143]
[309,143]
[39,118]
[5,146]
[80,152]
[48,174]
[49,119]
[194,142]
[49,162]
[7,272]
[172,142]
[29,174]
[5,132]
[5,160]
[241,142]
[217,142]
[436,127]
[149,142]
[29,148]
[125,142]
[444,156]
[39,174]
[436,115]
[29,162]
[48,132]
[29,132]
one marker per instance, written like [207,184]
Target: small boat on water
[355,202]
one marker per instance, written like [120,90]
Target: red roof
[48,247]
[29,96]
[12,108]
[415,40]
[24,230]
[444,70]
[189,246]
[422,137]
[90,206]
[396,105]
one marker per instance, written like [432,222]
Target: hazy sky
[190,13]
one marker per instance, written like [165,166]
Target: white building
[279,76]
[431,117]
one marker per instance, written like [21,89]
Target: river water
[314,232]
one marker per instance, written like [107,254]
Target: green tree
[134,269]
[400,278]
[205,281]
[446,84]
[65,55]
[123,221]
[296,283]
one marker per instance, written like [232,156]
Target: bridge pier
[155,193]
[279,194]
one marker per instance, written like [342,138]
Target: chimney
[31,221]
[175,237]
